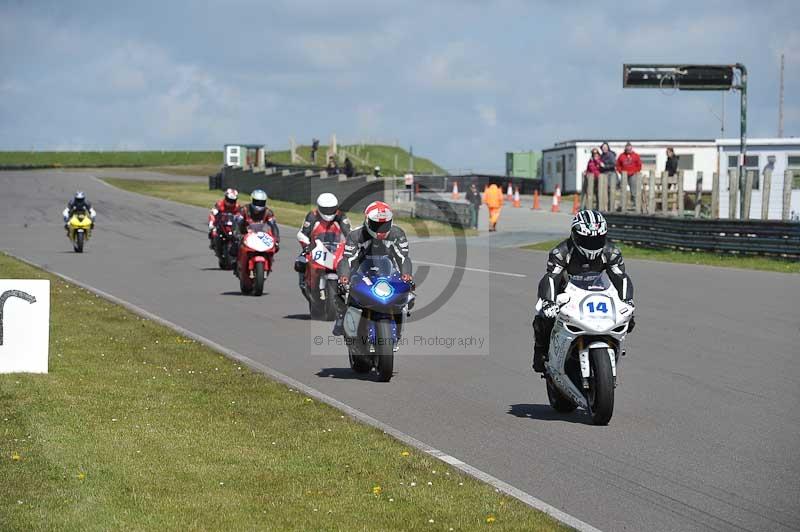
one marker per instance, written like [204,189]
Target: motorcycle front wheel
[384,354]
[601,387]
[357,362]
[331,293]
[258,280]
[79,242]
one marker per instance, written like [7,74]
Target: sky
[462,82]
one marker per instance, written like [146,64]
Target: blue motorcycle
[377,302]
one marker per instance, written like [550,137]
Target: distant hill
[391,159]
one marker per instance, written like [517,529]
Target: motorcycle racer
[325,217]
[585,251]
[78,203]
[255,212]
[378,236]
[228,204]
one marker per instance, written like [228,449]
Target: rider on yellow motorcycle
[78,203]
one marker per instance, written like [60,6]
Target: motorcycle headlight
[382,290]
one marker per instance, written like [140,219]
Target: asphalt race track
[706,429]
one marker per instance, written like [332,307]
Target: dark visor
[328,210]
[380,227]
[590,242]
[260,203]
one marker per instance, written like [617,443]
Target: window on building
[794,167]
[750,163]
[558,166]
[686,161]
[549,168]
[648,162]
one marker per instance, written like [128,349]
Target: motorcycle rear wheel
[357,362]
[601,387]
[384,354]
[558,401]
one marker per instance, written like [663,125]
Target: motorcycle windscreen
[591,281]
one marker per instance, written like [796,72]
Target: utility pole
[780,104]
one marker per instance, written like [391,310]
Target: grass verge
[139,428]
[88,159]
[291,214]
[694,257]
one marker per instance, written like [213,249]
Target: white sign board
[24,325]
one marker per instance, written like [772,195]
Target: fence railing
[653,193]
[728,236]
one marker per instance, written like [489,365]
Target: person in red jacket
[230,204]
[631,163]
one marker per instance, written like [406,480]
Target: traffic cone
[535,200]
[516,198]
[556,197]
[510,192]
[575,204]
[455,189]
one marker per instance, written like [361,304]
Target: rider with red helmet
[228,204]
[378,236]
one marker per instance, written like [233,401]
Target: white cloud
[487,114]
[455,67]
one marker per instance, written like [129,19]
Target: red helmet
[231,195]
[378,219]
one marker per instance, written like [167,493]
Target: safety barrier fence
[773,238]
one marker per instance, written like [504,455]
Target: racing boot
[539,355]
[338,326]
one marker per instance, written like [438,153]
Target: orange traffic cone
[535,200]
[510,192]
[455,189]
[575,203]
[556,198]
[516,198]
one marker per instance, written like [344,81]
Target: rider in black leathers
[376,237]
[585,251]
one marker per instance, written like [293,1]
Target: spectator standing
[672,162]
[314,148]
[474,199]
[608,159]
[333,168]
[590,176]
[349,170]
[630,163]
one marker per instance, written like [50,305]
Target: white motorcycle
[585,346]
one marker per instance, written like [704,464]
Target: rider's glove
[629,302]
[406,277]
[549,309]
[344,282]
[210,225]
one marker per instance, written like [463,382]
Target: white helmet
[327,206]
[258,204]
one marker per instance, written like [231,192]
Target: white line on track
[474,472]
[509,274]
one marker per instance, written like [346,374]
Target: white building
[244,155]
[783,154]
[565,162]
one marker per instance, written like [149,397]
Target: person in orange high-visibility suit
[493,198]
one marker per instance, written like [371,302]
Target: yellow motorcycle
[79,229]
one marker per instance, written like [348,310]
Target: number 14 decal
[601,307]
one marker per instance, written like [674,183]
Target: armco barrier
[725,236]
[354,193]
[452,212]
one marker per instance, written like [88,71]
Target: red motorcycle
[321,281]
[254,263]
[223,237]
